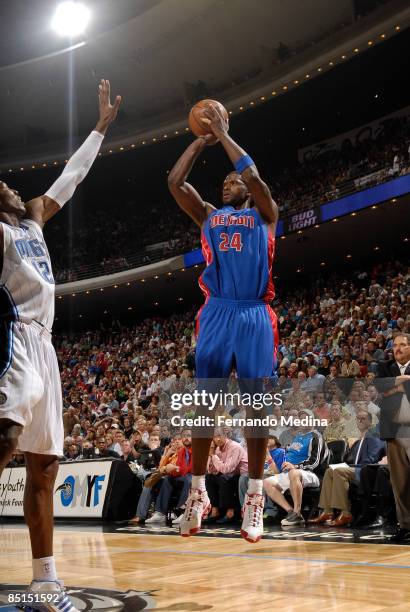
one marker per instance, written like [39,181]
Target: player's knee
[42,472]
[9,434]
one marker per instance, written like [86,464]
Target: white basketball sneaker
[197,508]
[48,597]
[252,517]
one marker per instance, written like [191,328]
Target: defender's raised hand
[108,111]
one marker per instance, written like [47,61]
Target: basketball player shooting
[30,387]
[236,325]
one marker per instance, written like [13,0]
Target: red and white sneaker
[252,517]
[197,507]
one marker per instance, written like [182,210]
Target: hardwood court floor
[222,574]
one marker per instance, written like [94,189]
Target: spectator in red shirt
[181,475]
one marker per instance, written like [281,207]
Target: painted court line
[274,558]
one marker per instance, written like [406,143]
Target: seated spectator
[73,452]
[183,476]
[103,450]
[321,408]
[128,453]
[153,483]
[324,368]
[315,381]
[150,457]
[276,453]
[303,462]
[349,367]
[286,435]
[336,427]
[137,444]
[227,461]
[335,487]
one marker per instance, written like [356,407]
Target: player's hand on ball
[108,111]
[216,121]
[210,139]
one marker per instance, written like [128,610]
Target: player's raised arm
[41,209]
[244,165]
[185,195]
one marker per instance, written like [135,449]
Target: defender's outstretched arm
[42,208]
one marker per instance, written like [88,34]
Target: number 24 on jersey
[234,243]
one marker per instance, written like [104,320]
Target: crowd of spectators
[334,173]
[117,384]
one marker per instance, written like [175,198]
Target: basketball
[197,126]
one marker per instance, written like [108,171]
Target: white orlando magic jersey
[26,281]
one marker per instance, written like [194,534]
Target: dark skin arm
[258,189]
[43,208]
[187,198]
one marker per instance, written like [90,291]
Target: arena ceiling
[150,50]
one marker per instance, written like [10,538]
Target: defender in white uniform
[30,386]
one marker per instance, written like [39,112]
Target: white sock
[44,569]
[198,482]
[255,486]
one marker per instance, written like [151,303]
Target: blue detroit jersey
[236,325]
[238,250]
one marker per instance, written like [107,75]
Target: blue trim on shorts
[8,314]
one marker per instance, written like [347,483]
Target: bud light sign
[307,218]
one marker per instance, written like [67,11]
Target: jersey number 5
[236,242]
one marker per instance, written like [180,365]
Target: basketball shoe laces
[254,509]
[194,503]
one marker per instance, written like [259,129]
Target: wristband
[243,162]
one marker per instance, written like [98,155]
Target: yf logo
[86,491]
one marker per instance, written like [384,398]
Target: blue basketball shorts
[239,333]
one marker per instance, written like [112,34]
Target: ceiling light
[70,19]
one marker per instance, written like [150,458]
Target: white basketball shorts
[30,387]
[309,479]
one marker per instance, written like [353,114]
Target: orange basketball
[196,125]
